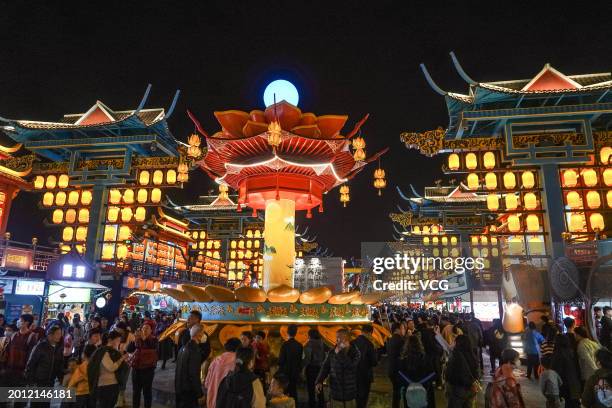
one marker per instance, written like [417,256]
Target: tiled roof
[148,116]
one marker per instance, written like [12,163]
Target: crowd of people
[427,351]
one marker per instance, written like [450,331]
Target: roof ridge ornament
[461,71]
[431,82]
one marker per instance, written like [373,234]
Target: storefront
[21,296]
[70,297]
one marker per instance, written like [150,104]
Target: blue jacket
[532,341]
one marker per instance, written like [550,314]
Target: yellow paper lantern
[158,177]
[67,234]
[86,197]
[444,240]
[142,196]
[435,229]
[509,180]
[125,232]
[491,181]
[593,199]
[156,195]
[51,182]
[63,181]
[528,179]
[108,251]
[126,214]
[114,196]
[128,196]
[604,154]
[533,223]
[590,177]
[472,181]
[70,216]
[489,160]
[570,178]
[453,161]
[60,198]
[58,216]
[609,198]
[47,199]
[110,233]
[83,215]
[514,223]
[474,239]
[577,222]
[607,177]
[434,240]
[471,161]
[530,201]
[140,214]
[426,241]
[73,197]
[143,177]
[39,182]
[171,176]
[511,202]
[453,240]
[81,234]
[113,214]
[573,200]
[122,251]
[597,222]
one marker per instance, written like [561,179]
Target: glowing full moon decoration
[283,90]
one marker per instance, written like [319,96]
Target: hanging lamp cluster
[359,145]
[344,194]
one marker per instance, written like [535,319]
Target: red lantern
[131,282]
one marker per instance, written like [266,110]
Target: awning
[77,284]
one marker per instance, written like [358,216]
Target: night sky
[347,58]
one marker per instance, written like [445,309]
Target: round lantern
[171,176]
[63,180]
[110,233]
[593,199]
[113,214]
[83,215]
[81,234]
[514,223]
[122,251]
[60,198]
[158,177]
[126,214]
[471,161]
[86,197]
[58,216]
[609,198]
[444,240]
[425,241]
[530,201]
[453,161]
[528,179]
[114,196]
[124,233]
[590,177]
[604,154]
[511,202]
[143,178]
[491,181]
[597,222]
[67,234]
[108,251]
[142,196]
[39,182]
[509,180]
[489,160]
[73,197]
[472,181]
[533,223]
[435,229]
[607,177]
[453,240]
[577,222]
[70,216]
[128,196]
[47,199]
[434,241]
[570,178]
[156,195]
[51,182]
[573,200]
[140,214]
[474,239]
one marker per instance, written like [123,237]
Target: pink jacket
[219,368]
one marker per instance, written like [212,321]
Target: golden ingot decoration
[283,294]
[248,294]
[316,295]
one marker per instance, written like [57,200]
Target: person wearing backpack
[314,355]
[367,362]
[242,388]
[418,373]
[598,388]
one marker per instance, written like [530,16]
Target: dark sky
[345,58]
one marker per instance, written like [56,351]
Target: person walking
[366,365]
[187,383]
[497,340]
[565,362]
[462,374]
[314,355]
[46,362]
[218,369]
[262,356]
[416,367]
[531,342]
[606,328]
[106,369]
[78,334]
[550,384]
[194,318]
[597,390]
[241,387]
[341,366]
[586,353]
[506,391]
[79,381]
[290,361]
[143,363]
[18,351]
[394,349]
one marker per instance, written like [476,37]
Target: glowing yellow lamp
[607,177]
[604,154]
[110,233]
[514,223]
[143,178]
[67,234]
[39,182]
[589,177]
[63,180]
[528,179]
[511,201]
[489,160]
[171,176]
[156,195]
[158,177]
[597,222]
[83,215]
[573,200]
[128,196]
[609,198]
[533,223]
[471,161]
[51,182]
[509,180]
[453,161]
[570,178]
[472,181]
[577,222]
[593,199]
[60,198]
[58,216]
[70,216]
[141,214]
[113,214]
[491,181]
[81,234]
[530,201]
[124,232]
[86,197]
[73,197]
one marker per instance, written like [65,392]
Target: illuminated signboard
[17,258]
[72,295]
[30,287]
[7,286]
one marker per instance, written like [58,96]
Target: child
[72,365]
[79,379]
[276,392]
[550,383]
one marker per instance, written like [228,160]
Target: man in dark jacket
[341,366]
[187,382]
[290,361]
[394,348]
[606,328]
[46,362]
[366,364]
[194,318]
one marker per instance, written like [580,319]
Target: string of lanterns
[344,194]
